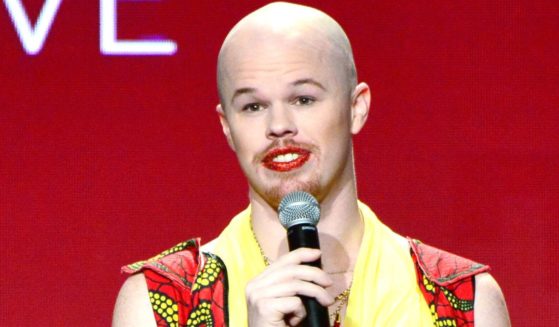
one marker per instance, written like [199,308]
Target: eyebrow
[308,81]
[303,81]
[241,91]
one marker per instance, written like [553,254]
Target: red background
[105,160]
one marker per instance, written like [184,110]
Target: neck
[340,229]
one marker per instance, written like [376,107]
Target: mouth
[286,158]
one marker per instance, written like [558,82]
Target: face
[289,116]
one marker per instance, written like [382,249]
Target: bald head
[282,25]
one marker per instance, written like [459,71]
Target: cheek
[334,127]
[332,135]
[245,139]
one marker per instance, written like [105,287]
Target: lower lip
[287,166]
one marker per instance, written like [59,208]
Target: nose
[280,123]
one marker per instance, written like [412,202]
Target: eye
[253,107]
[304,101]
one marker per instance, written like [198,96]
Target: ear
[225,125]
[360,102]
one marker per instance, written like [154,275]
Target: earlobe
[360,104]
[225,125]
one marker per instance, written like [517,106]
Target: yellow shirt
[384,290]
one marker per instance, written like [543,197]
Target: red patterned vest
[189,288]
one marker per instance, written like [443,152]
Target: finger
[281,274]
[295,320]
[293,288]
[298,312]
[293,310]
[276,311]
[298,256]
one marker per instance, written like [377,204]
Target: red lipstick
[302,157]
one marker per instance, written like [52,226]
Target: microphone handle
[306,235]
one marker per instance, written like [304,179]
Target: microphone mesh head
[298,208]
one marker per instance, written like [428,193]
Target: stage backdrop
[111,151]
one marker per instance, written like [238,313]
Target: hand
[272,296]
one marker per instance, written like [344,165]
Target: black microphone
[299,213]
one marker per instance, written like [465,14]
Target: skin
[271,97]
[291,84]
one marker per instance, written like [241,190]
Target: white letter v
[31,38]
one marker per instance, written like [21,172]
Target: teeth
[286,157]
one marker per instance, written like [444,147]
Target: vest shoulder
[175,263]
[185,286]
[442,267]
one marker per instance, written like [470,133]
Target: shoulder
[489,306]
[464,282]
[174,267]
[182,256]
[442,267]
[133,307]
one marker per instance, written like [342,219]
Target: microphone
[299,213]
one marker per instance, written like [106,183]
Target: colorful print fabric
[189,288]
[185,288]
[447,283]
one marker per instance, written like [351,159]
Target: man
[290,103]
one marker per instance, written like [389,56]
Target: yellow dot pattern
[179,247]
[165,307]
[208,275]
[445,322]
[434,312]
[429,285]
[456,303]
[201,315]
[438,322]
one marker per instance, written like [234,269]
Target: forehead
[254,60]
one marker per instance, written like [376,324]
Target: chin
[273,195]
